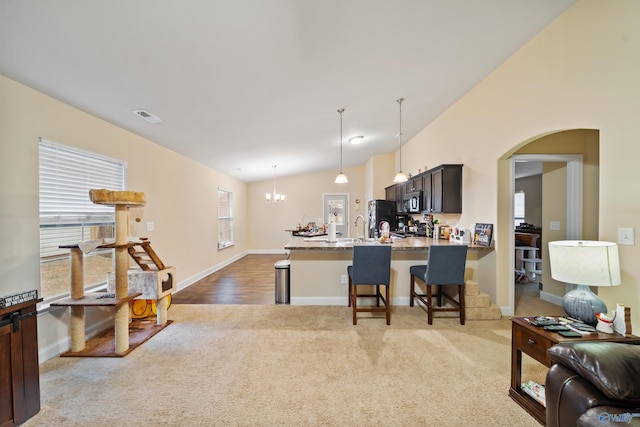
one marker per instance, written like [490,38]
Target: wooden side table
[534,341]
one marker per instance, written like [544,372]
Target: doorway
[554,226]
[584,225]
[335,208]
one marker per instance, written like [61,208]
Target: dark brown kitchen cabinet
[414,184]
[390,193]
[19,371]
[400,192]
[445,189]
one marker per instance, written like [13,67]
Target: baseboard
[506,310]
[267,252]
[193,279]
[64,343]
[553,299]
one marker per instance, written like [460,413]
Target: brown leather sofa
[593,384]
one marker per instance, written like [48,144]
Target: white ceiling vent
[147,116]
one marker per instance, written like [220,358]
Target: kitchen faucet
[356,224]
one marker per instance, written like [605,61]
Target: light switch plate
[626,236]
[555,225]
[150,226]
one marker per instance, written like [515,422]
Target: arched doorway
[577,149]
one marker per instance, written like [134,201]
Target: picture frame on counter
[483,234]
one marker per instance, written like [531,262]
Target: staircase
[478,304]
[144,255]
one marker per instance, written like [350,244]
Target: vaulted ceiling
[245,84]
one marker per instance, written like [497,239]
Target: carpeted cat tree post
[121,200]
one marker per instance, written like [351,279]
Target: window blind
[225,219]
[66,176]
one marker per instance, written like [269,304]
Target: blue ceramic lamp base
[582,304]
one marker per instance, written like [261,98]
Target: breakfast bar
[319,268]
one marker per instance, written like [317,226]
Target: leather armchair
[593,384]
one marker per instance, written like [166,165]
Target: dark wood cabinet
[441,190]
[414,184]
[19,370]
[445,193]
[390,193]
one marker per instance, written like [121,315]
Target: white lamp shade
[585,262]
[341,179]
[400,177]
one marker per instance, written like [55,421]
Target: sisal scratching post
[77,322]
[122,200]
[77,328]
[122,280]
[161,310]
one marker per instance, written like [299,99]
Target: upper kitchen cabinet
[396,194]
[442,189]
[390,193]
[414,184]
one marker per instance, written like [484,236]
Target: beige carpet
[268,365]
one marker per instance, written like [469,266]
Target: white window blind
[225,219]
[67,215]
[66,176]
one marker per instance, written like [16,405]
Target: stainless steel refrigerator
[381,210]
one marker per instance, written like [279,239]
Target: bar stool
[445,266]
[371,266]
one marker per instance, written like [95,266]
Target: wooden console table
[534,341]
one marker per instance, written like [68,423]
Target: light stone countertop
[398,244]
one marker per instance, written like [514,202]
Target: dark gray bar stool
[371,266]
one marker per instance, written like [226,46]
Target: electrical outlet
[554,225]
[344,279]
[625,236]
[150,226]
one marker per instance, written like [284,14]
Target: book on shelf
[535,390]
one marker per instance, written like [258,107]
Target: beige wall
[303,204]
[181,195]
[578,73]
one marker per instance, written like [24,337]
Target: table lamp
[584,263]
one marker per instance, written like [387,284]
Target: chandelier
[274,197]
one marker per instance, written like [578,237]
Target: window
[225,219]
[518,208]
[67,215]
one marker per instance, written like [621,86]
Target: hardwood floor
[250,280]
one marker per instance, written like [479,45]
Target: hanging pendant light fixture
[400,176]
[274,197]
[341,178]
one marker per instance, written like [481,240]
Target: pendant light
[341,178]
[274,197]
[400,176]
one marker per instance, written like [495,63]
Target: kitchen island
[319,268]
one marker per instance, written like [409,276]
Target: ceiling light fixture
[341,178]
[274,197]
[356,139]
[400,176]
